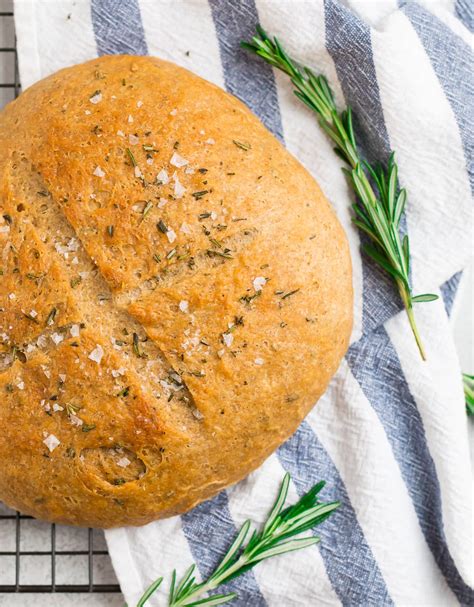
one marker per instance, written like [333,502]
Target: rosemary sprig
[468,381]
[250,547]
[378,215]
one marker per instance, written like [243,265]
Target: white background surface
[34,533]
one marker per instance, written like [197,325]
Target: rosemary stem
[379,202]
[251,547]
[406,298]
[212,584]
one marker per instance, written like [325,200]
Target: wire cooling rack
[36,556]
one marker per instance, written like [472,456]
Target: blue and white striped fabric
[390,436]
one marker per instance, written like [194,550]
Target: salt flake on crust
[97,354]
[51,442]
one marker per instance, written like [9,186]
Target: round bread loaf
[175,293]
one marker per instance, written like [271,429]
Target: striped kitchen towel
[390,436]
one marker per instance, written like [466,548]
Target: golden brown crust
[175,293]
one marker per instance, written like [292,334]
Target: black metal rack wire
[12,552]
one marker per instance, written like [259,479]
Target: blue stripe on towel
[118,27]
[234,22]
[350,563]
[375,365]
[247,77]
[449,290]
[464,10]
[453,62]
[373,359]
[210,530]
[348,42]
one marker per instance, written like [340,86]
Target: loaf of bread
[175,293]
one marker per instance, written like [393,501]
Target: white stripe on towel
[183,32]
[430,177]
[49,40]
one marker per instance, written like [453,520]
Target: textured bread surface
[175,293]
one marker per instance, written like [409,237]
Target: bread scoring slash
[175,293]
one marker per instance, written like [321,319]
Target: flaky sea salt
[184,305]
[178,161]
[123,462]
[179,189]
[196,413]
[163,177]
[73,244]
[228,339]
[57,338]
[98,172]
[75,421]
[96,354]
[74,330]
[97,98]
[171,235]
[118,372]
[259,282]
[185,228]
[166,385]
[133,139]
[51,442]
[259,361]
[41,341]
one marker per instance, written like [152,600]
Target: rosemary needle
[250,547]
[376,215]
[468,382]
